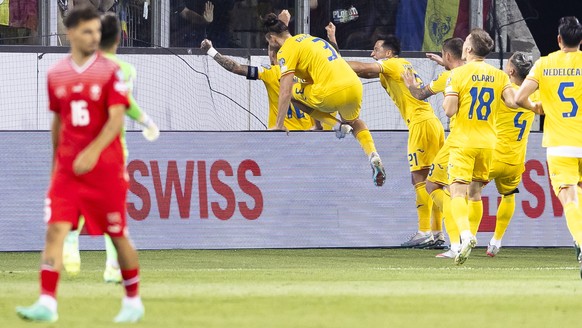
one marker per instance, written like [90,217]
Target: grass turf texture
[315,288]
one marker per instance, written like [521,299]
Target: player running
[333,86]
[558,76]
[473,97]
[513,127]
[89,99]
[426,133]
[110,38]
[437,180]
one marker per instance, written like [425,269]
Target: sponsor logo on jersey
[60,92]
[95,92]
[78,88]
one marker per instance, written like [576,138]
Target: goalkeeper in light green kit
[110,38]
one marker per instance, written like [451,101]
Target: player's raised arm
[330,28]
[224,61]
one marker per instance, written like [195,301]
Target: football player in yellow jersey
[437,181]
[473,96]
[426,133]
[558,76]
[333,87]
[513,127]
[295,119]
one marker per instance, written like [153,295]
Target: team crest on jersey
[60,92]
[95,92]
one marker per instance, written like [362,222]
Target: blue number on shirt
[483,109]
[329,47]
[298,113]
[563,98]
[521,125]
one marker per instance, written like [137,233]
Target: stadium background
[184,91]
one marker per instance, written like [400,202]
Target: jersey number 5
[79,113]
[483,109]
[327,46]
[563,98]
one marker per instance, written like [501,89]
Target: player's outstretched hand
[151,133]
[435,58]
[538,108]
[409,79]
[285,17]
[85,161]
[206,44]
[330,28]
[209,12]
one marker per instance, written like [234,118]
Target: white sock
[133,301]
[48,301]
[495,242]
[456,247]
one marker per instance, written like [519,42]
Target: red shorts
[102,204]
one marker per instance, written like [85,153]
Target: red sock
[131,281]
[48,281]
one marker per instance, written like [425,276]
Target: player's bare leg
[423,237]
[132,309]
[45,309]
[460,211]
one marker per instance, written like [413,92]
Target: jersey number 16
[79,113]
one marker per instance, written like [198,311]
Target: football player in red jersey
[89,99]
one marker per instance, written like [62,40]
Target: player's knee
[358,125]
[431,187]
[419,176]
[57,232]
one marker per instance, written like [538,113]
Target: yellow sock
[437,218]
[450,224]
[504,215]
[364,137]
[460,212]
[325,118]
[475,215]
[574,220]
[423,207]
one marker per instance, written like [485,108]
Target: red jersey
[82,97]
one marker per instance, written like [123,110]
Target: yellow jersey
[411,109]
[295,119]
[439,84]
[513,127]
[316,61]
[559,76]
[479,87]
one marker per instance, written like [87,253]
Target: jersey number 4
[79,113]
[519,125]
[481,101]
[563,98]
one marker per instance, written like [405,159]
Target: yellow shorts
[346,102]
[469,164]
[425,139]
[564,171]
[507,176]
[438,172]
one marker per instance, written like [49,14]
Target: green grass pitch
[315,288]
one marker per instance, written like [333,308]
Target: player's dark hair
[454,46]
[80,14]
[110,30]
[481,42]
[273,25]
[522,63]
[391,42]
[571,31]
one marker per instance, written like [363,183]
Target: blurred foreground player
[89,99]
[110,38]
[558,76]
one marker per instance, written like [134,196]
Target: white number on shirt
[79,113]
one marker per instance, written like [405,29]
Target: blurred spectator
[66,5]
[19,22]
[189,22]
